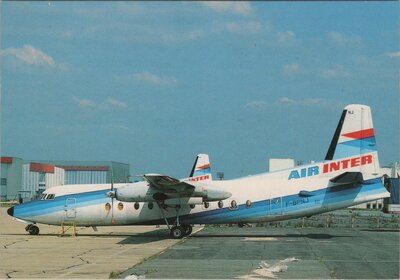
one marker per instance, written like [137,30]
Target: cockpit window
[47,196]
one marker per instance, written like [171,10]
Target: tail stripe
[361,134]
[203,167]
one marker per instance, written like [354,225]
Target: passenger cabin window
[233,205]
[248,204]
[150,205]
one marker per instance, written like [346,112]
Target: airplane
[349,175]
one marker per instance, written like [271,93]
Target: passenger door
[276,206]
[70,208]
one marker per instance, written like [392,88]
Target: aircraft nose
[10,211]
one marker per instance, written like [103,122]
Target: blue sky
[154,83]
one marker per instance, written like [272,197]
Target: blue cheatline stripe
[355,147]
[43,207]
[290,204]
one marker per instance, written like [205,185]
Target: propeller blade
[111,194]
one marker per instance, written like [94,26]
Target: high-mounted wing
[157,187]
[167,184]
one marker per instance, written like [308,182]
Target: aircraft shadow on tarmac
[134,238]
[381,230]
[309,235]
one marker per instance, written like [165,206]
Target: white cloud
[116,103]
[393,54]
[104,105]
[240,8]
[304,102]
[290,69]
[85,103]
[344,40]
[151,78]
[307,102]
[30,55]
[333,73]
[256,105]
[286,36]
[250,27]
[173,37]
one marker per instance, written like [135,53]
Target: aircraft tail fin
[201,170]
[354,136]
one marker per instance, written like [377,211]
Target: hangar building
[11,177]
[29,178]
[92,172]
[36,177]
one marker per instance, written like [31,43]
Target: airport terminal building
[27,179]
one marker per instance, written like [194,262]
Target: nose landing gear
[32,229]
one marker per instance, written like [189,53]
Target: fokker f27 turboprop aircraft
[349,175]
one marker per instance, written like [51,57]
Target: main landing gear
[177,231]
[32,229]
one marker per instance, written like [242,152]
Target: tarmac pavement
[214,252]
[91,254]
[285,253]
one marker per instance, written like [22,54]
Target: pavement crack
[63,269]
[8,274]
[13,243]
[332,272]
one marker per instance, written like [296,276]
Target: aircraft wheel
[188,229]
[33,230]
[177,232]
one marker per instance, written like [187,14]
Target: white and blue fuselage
[349,175]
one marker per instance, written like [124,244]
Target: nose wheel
[32,229]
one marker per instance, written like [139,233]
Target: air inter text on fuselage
[331,166]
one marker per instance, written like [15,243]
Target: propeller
[111,194]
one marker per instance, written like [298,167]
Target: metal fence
[343,219]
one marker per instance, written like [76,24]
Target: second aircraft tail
[201,170]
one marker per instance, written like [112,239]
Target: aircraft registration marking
[297,201]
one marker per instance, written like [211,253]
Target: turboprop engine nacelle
[210,193]
[184,201]
[137,192]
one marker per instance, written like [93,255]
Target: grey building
[37,177]
[28,178]
[92,172]
[11,177]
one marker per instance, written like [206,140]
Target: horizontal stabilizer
[348,178]
[306,194]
